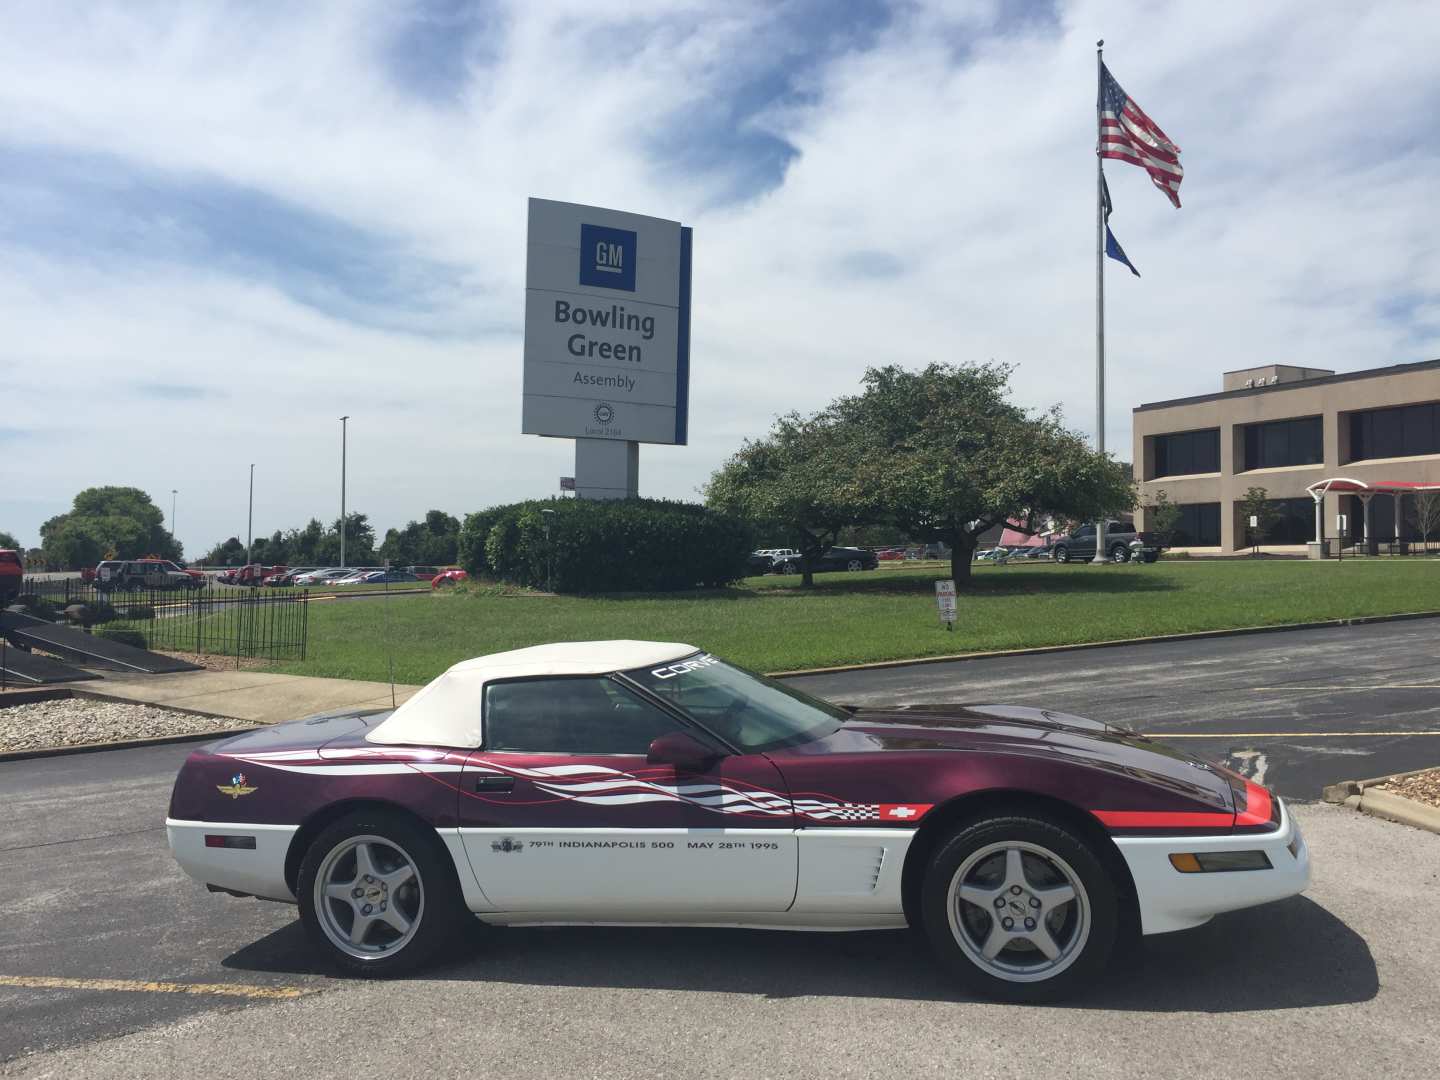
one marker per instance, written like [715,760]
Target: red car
[649,782]
[448,577]
[12,574]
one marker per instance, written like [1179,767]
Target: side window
[590,715]
[1085,532]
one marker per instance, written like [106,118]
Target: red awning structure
[1015,536]
[1364,491]
[1343,486]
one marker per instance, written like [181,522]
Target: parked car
[890,554]
[649,782]
[1031,551]
[837,558]
[324,576]
[446,578]
[1079,546]
[286,578]
[132,575]
[12,575]
[384,577]
[424,573]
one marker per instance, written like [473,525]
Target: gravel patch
[1422,787]
[75,721]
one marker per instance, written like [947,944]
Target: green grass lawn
[771,624]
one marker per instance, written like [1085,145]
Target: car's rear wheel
[853,565]
[1062,554]
[1119,554]
[1020,908]
[377,894]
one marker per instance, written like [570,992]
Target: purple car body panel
[880,767]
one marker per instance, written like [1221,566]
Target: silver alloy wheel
[1119,554]
[1018,911]
[369,899]
[853,564]
[1062,554]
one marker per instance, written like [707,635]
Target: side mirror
[682,750]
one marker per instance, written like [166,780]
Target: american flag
[1127,134]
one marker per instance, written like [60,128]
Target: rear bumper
[258,872]
[1170,900]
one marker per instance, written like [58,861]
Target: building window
[1295,524]
[1406,431]
[1284,442]
[1199,526]
[1187,452]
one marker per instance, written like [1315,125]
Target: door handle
[494,783]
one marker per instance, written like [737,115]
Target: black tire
[854,565]
[1062,554]
[434,899]
[1083,929]
[1119,553]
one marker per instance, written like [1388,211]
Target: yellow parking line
[1380,686]
[44,982]
[1282,734]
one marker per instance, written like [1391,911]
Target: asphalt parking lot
[112,963]
[1295,710]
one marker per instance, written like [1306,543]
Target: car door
[1083,542]
[560,811]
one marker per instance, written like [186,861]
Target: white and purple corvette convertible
[646,782]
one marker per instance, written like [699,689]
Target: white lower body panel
[260,872]
[830,878]
[1170,900]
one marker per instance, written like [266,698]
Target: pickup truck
[132,575]
[1079,546]
[12,573]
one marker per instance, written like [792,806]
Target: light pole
[344,431]
[173,493]
[250,521]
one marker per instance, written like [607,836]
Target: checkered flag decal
[838,811]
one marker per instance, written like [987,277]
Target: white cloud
[950,152]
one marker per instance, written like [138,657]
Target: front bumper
[1170,900]
[257,872]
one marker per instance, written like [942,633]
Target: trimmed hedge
[620,545]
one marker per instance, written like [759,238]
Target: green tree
[1257,504]
[946,455]
[798,486]
[228,553]
[107,522]
[359,541]
[1161,517]
[8,542]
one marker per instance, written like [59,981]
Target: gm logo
[607,257]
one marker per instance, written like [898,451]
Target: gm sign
[607,257]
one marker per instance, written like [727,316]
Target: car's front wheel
[1020,908]
[377,894]
[854,565]
[1062,554]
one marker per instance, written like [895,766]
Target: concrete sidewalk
[246,695]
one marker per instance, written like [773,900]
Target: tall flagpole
[1100,554]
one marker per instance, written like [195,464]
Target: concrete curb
[1367,797]
[125,744]
[1392,807]
[1198,635]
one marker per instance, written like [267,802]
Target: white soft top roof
[446,712]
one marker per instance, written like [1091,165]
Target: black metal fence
[208,621]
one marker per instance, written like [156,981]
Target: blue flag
[1112,246]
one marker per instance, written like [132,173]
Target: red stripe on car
[1257,806]
[1157,819]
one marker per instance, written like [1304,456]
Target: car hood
[1025,732]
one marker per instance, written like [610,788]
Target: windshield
[748,711]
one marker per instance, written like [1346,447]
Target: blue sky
[225,225]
